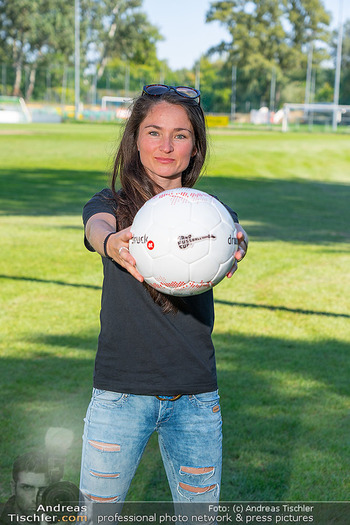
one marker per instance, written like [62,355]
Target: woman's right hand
[118,249]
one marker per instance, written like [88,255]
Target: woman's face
[166,144]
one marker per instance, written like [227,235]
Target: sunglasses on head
[157,90]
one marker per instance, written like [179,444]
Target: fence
[258,99]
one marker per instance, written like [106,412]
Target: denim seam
[170,463]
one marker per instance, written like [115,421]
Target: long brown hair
[136,186]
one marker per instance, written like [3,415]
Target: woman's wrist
[105,242]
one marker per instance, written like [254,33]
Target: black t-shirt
[141,350]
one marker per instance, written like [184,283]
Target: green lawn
[282,323]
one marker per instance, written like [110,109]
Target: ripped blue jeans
[118,427]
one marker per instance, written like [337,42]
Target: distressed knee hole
[197,471]
[104,447]
[196,490]
[104,475]
[102,499]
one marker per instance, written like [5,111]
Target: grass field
[282,323]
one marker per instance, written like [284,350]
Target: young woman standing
[155,365]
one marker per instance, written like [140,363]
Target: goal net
[13,110]
[327,115]
[119,104]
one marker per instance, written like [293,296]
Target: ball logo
[184,241]
[232,240]
[139,239]
[150,245]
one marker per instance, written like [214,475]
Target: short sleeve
[230,210]
[232,213]
[101,202]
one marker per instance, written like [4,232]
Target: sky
[187,36]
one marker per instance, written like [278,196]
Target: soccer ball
[184,241]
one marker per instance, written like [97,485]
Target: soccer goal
[121,105]
[295,115]
[13,110]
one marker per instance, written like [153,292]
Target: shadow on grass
[47,191]
[267,386]
[281,309]
[218,301]
[276,398]
[49,281]
[289,210]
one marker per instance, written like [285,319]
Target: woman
[155,365]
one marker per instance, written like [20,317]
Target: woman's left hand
[242,238]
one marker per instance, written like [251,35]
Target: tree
[269,39]
[128,78]
[40,33]
[344,91]
[257,35]
[35,30]
[118,29]
[309,22]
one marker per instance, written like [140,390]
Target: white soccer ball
[184,241]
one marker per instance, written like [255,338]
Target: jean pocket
[108,398]
[206,399]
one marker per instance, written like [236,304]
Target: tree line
[271,45]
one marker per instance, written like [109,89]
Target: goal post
[14,110]
[116,100]
[309,113]
[120,105]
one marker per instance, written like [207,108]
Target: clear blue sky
[187,36]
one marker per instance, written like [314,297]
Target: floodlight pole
[161,75]
[233,93]
[77,58]
[3,80]
[272,93]
[338,67]
[308,74]
[127,80]
[198,74]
